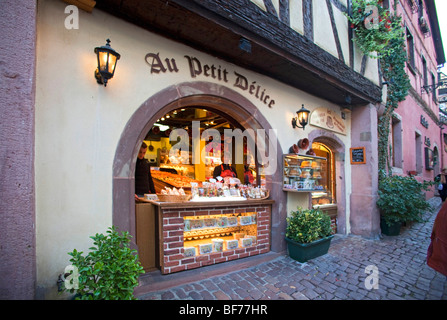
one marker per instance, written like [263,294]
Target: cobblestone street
[340,274]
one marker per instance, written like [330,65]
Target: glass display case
[304,173]
[219,233]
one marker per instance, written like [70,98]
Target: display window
[219,233]
[328,194]
[191,146]
[304,173]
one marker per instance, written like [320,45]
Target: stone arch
[186,94]
[338,148]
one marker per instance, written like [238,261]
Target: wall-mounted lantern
[302,118]
[107,59]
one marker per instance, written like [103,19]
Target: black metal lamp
[107,59]
[302,118]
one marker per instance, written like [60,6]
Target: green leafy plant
[308,225]
[110,270]
[373,38]
[402,199]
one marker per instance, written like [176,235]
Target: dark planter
[390,230]
[303,252]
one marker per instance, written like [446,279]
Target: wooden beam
[86,5]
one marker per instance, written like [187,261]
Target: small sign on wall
[358,155]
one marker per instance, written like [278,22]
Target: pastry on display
[293,172]
[172,179]
[306,164]
[316,175]
[305,175]
[292,162]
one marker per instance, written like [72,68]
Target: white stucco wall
[79,123]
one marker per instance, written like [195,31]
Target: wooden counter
[171,231]
[146,234]
[199,204]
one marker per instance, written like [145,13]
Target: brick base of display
[172,255]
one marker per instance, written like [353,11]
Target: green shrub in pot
[110,270]
[308,225]
[402,199]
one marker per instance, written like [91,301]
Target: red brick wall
[173,259]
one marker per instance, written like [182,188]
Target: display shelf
[304,173]
[212,234]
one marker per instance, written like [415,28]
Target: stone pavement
[398,271]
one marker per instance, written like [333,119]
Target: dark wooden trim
[363,67]
[340,6]
[284,14]
[350,38]
[308,19]
[270,7]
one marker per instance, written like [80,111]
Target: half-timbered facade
[255,62]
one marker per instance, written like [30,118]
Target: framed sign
[429,159]
[358,155]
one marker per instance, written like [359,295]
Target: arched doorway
[329,146]
[189,94]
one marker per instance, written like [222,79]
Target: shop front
[220,219]
[194,110]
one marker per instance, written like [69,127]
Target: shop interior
[179,169]
[326,200]
[174,168]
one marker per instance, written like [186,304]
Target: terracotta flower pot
[303,143]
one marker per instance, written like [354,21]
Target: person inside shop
[248,175]
[143,178]
[441,179]
[225,170]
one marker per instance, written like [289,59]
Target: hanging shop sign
[328,119]
[211,71]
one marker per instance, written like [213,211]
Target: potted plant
[401,199]
[109,271]
[308,234]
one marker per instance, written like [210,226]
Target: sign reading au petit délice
[217,72]
[358,155]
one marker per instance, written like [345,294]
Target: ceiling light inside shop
[162,127]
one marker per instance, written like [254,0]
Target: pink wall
[419,103]
[17,199]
